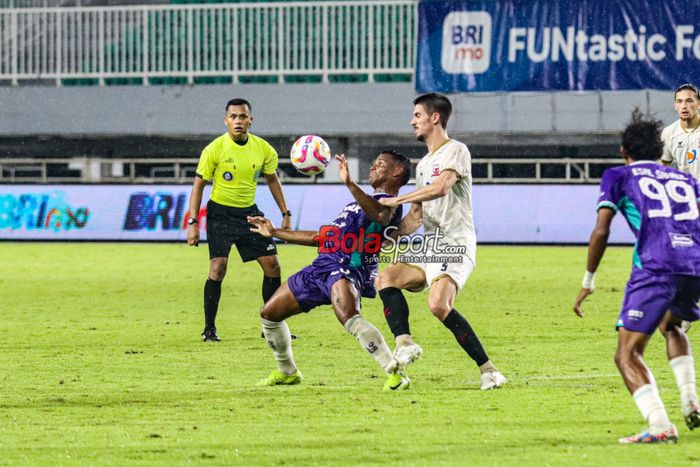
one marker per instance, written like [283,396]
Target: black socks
[465,336]
[212,294]
[269,286]
[395,310]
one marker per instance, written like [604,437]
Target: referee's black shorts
[227,226]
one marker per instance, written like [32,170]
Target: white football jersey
[682,147]
[453,212]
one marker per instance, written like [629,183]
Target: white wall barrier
[503,213]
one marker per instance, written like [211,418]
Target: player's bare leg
[390,283]
[273,314]
[441,298]
[346,304]
[680,357]
[641,384]
[212,295]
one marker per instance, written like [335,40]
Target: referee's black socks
[269,286]
[466,337]
[395,310]
[212,294]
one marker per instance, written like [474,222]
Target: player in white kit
[442,204]
[682,138]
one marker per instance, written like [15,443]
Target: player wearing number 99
[660,205]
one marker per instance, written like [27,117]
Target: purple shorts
[649,296]
[312,285]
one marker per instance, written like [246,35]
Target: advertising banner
[502,213]
[544,45]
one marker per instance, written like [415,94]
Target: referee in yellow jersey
[235,161]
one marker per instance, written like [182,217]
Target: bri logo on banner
[466,42]
[47,211]
[161,210]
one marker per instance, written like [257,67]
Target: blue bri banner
[554,45]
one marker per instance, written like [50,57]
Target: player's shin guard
[650,405]
[212,294]
[395,310]
[684,369]
[466,337]
[269,286]
[370,339]
[279,339]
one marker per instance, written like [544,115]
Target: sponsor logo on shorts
[681,240]
[270,247]
[635,314]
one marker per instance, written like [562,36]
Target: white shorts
[458,271]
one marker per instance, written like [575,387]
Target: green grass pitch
[102,364]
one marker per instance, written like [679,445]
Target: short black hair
[687,87]
[401,160]
[641,139]
[238,101]
[436,102]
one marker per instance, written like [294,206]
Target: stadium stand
[100,90]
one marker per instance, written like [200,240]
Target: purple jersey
[660,205]
[359,234]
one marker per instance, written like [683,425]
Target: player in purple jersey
[343,271]
[660,205]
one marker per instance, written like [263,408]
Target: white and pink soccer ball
[310,155]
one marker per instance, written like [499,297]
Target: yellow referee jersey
[235,169]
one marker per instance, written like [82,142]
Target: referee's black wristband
[287,213]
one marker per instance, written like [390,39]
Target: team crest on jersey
[436,171]
[228,176]
[692,155]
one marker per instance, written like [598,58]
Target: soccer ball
[310,155]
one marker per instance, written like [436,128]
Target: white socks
[370,339]
[279,339]
[684,369]
[650,405]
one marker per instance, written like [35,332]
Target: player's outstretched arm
[437,189]
[266,228]
[373,208]
[597,244]
[411,222]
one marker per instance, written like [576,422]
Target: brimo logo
[329,240]
[466,42]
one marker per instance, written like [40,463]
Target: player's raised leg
[682,363]
[641,384]
[281,306]
[441,303]
[390,283]
[346,304]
